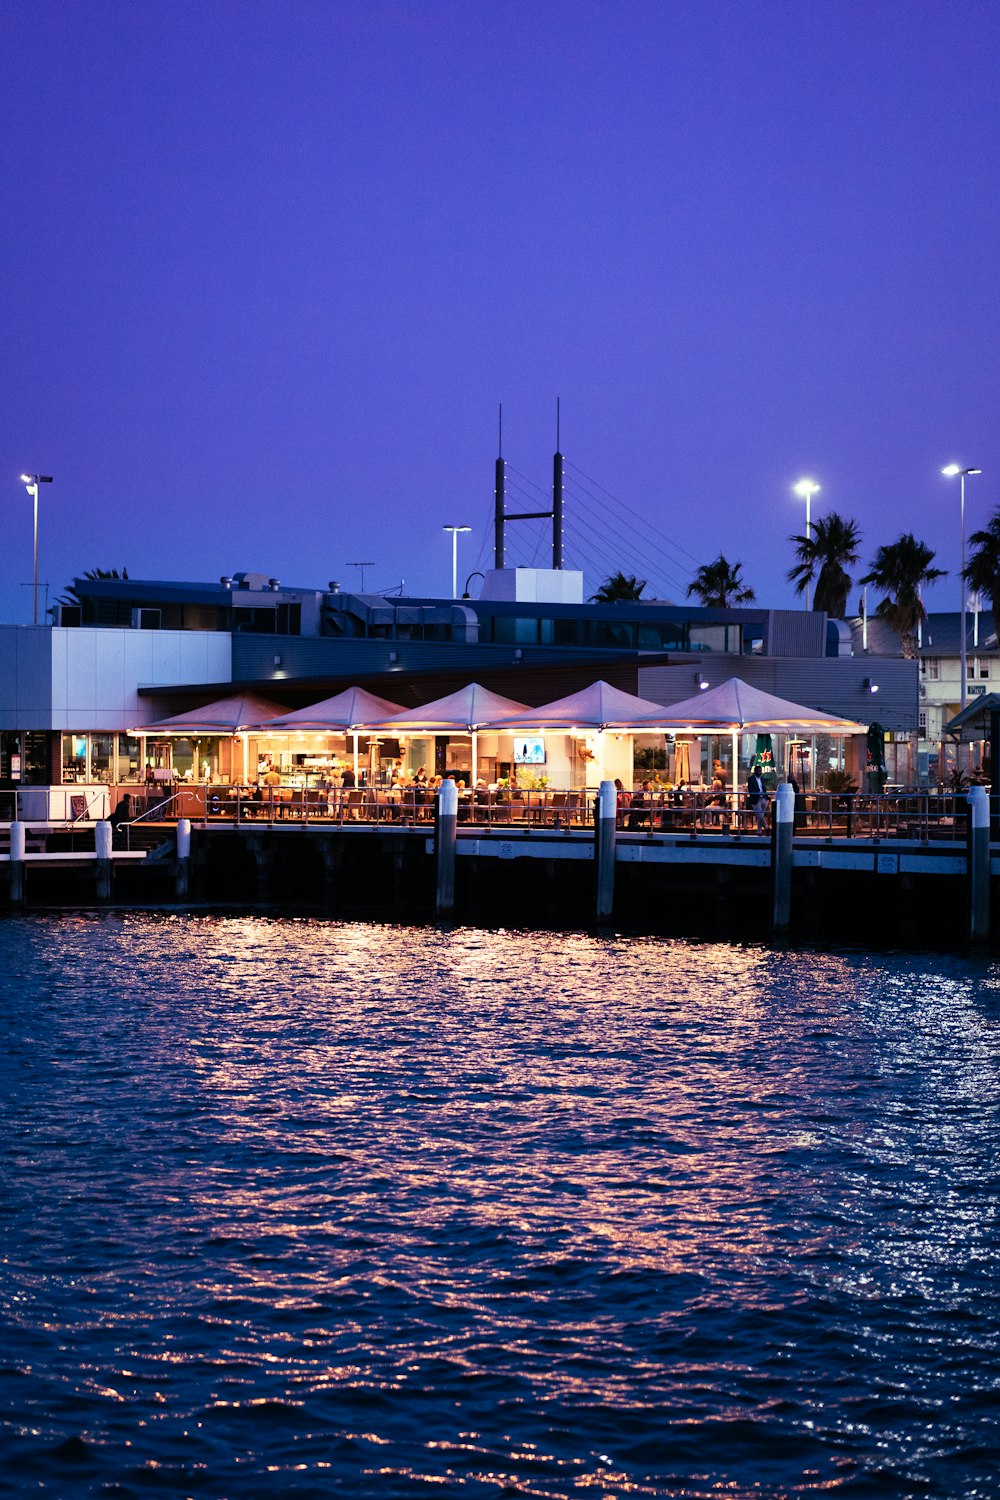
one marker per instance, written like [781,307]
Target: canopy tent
[353,710]
[734,704]
[736,707]
[599,706]
[226,717]
[466,711]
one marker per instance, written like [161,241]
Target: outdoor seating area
[916,816]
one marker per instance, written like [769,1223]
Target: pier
[874,872]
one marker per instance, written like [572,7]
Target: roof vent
[334,586]
[274,584]
[226,581]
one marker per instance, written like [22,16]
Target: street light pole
[31,483]
[454,555]
[951,470]
[805,489]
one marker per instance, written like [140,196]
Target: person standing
[757,798]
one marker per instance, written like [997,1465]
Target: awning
[973,723]
[354,708]
[226,716]
[462,712]
[736,705]
[599,706]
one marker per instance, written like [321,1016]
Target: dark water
[292,1208]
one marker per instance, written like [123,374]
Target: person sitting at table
[420,776]
[639,810]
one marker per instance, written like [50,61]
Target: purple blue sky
[267,270]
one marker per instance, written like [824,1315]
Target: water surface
[303,1208]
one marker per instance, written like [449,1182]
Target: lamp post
[31,483]
[454,555]
[805,489]
[950,470]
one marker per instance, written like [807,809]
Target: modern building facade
[130,652]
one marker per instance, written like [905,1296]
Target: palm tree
[982,572]
[718,585]
[831,548]
[71,597]
[620,586]
[900,570]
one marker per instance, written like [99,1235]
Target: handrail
[914,815]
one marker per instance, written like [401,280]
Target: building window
[931,665]
[129,758]
[102,750]
[74,757]
[922,723]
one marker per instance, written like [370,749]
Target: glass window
[129,759]
[258,621]
[569,632]
[611,633]
[714,638]
[74,757]
[515,631]
[661,636]
[102,750]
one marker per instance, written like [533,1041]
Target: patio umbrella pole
[736,770]
[475,756]
[355,757]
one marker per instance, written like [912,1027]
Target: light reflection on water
[302,1208]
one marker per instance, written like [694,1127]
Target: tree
[900,570]
[620,586]
[718,585]
[982,571]
[833,547]
[71,596]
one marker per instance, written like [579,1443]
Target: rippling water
[300,1208]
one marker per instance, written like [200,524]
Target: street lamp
[950,470]
[31,483]
[805,489]
[454,555]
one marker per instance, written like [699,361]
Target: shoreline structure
[842,886]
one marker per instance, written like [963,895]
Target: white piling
[445,844]
[18,883]
[781,857]
[183,881]
[102,847]
[604,850]
[979,864]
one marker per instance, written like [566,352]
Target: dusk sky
[267,271]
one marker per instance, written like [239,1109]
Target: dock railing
[921,816]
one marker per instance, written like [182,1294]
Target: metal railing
[923,816]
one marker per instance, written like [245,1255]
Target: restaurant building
[75,695]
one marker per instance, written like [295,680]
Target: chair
[351,804]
